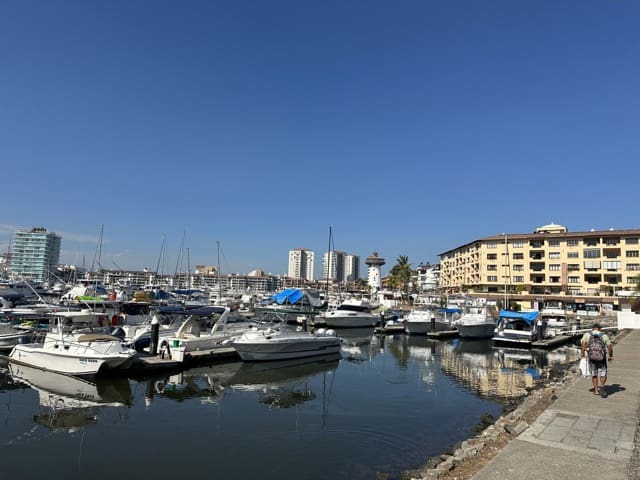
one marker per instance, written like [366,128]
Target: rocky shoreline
[469,456]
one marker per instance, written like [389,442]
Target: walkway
[581,435]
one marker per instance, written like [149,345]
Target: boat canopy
[528,317]
[450,310]
[288,295]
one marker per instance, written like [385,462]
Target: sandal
[596,393]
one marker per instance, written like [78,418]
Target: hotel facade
[550,262]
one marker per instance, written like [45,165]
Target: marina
[374,408]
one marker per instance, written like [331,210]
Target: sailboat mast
[506,263]
[218,272]
[328,262]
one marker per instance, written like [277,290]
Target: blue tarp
[450,310]
[289,295]
[528,317]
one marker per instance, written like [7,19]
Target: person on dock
[597,344]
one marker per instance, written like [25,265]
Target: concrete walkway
[581,435]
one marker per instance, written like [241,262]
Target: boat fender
[331,333]
[321,331]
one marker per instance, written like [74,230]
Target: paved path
[581,435]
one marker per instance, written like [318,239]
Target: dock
[581,435]
[443,334]
[389,329]
[552,342]
[150,364]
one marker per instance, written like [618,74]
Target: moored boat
[278,344]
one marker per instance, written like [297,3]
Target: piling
[155,335]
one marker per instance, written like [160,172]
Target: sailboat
[518,328]
[350,312]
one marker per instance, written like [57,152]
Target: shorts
[598,369]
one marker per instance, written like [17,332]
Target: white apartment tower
[35,253]
[300,264]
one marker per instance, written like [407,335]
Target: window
[611,265]
[492,244]
[492,278]
[518,268]
[554,255]
[631,241]
[573,254]
[573,267]
[518,256]
[492,256]
[633,267]
[633,280]
[632,253]
[554,243]
[554,267]
[591,253]
[492,268]
[574,279]
[518,279]
[518,244]
[591,242]
[573,243]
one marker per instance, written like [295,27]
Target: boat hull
[424,327]
[347,320]
[477,330]
[277,350]
[10,340]
[34,355]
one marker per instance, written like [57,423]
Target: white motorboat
[84,354]
[280,344]
[423,321]
[476,322]
[11,335]
[516,328]
[350,313]
[554,321]
[190,336]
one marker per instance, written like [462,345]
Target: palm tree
[400,275]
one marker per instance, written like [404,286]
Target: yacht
[289,304]
[282,344]
[81,354]
[516,328]
[193,334]
[476,322]
[11,335]
[426,320]
[351,313]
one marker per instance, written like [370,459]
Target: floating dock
[444,334]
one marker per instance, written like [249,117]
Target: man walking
[596,344]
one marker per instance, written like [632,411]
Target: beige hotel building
[548,264]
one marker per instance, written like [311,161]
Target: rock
[516,429]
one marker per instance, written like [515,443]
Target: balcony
[537,266]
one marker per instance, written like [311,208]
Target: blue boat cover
[450,310]
[289,295]
[528,317]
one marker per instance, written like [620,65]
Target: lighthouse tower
[374,262]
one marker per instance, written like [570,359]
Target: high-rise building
[35,253]
[351,267]
[333,266]
[300,264]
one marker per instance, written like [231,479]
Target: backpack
[597,350]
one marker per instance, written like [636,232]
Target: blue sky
[412,127]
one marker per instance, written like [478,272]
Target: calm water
[385,405]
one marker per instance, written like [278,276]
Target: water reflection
[501,372]
[279,384]
[69,403]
